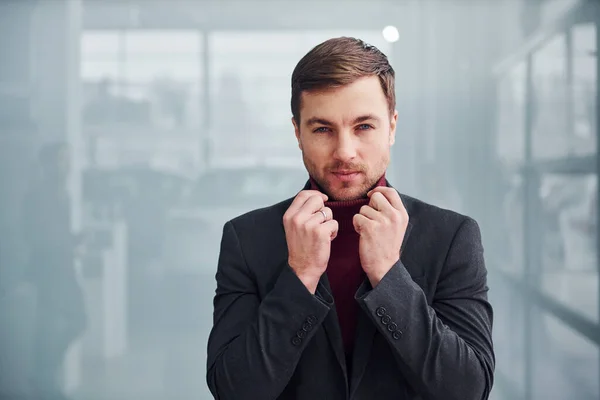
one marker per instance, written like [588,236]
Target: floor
[156,368]
[171,365]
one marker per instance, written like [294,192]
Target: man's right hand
[309,230]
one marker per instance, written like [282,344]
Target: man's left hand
[381,225]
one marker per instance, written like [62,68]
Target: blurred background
[164,119]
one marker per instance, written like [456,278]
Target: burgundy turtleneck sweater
[344,271]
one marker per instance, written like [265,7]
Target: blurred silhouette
[108,104]
[51,246]
[170,97]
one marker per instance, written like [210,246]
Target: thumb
[334,229]
[356,223]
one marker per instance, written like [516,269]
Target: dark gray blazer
[424,331]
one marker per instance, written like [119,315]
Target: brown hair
[338,62]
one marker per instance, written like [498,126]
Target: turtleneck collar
[344,211]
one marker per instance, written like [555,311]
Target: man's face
[345,135]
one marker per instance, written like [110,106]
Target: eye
[321,129]
[365,127]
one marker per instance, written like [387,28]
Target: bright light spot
[391,34]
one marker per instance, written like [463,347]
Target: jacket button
[381,311]
[311,319]
[392,327]
[301,334]
[386,319]
[396,335]
[307,327]
[296,341]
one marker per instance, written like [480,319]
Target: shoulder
[259,236]
[265,218]
[440,240]
[437,221]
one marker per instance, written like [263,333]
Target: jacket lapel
[365,329]
[330,325]
[365,333]
[332,329]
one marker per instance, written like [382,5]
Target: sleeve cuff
[393,287]
[389,282]
[304,310]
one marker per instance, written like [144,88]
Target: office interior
[176,117]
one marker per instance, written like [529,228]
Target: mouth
[346,176]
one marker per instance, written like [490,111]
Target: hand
[309,233]
[381,225]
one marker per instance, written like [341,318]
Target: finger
[330,228]
[390,194]
[380,203]
[369,212]
[323,215]
[359,221]
[302,197]
[312,206]
[307,207]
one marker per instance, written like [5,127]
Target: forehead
[364,96]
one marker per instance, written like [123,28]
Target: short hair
[338,62]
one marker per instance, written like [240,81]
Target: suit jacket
[424,331]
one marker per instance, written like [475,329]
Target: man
[335,294]
[52,246]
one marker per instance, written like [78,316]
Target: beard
[345,191]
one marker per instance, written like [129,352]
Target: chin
[349,193]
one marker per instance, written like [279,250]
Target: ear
[297,132]
[393,123]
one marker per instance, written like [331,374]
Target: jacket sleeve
[255,344]
[445,350]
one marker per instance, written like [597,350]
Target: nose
[345,149]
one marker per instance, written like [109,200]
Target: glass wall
[250,76]
[548,335]
[151,78]
[153,98]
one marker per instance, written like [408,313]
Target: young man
[350,290]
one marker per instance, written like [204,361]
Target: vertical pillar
[56,66]
[430,20]
[17,130]
[530,194]
[406,58]
[597,24]
[206,141]
[56,32]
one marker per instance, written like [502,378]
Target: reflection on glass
[510,134]
[565,364]
[549,130]
[513,211]
[569,253]
[182,43]
[584,89]
[100,45]
[509,335]
[145,69]
[142,78]
[96,70]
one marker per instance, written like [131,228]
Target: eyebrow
[357,120]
